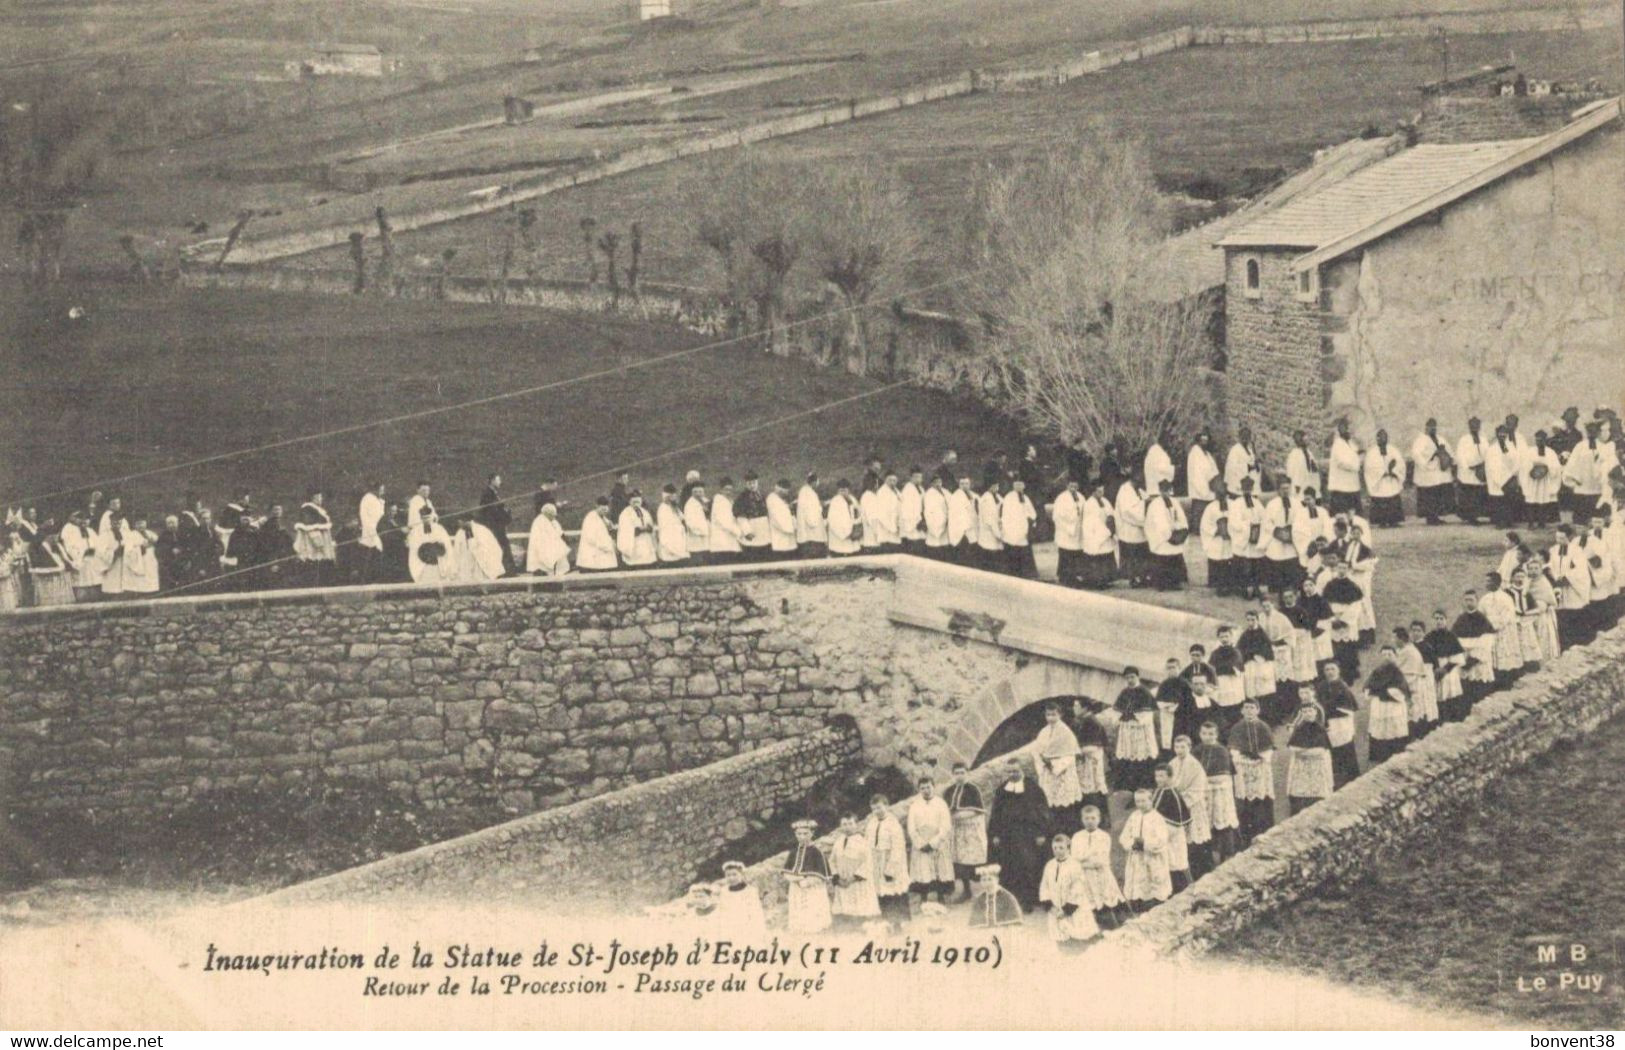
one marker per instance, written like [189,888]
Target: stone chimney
[1496,103]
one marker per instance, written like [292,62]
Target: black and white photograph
[821,515]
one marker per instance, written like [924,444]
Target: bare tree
[358,260]
[751,214]
[609,242]
[1088,330]
[51,148]
[589,226]
[530,242]
[863,237]
[385,273]
[634,266]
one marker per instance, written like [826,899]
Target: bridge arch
[981,719]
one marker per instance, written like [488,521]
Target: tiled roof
[1371,194]
[1193,262]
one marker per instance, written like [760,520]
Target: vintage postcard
[811,514]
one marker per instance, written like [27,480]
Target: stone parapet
[1381,811]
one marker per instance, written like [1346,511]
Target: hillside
[150,379]
[1225,120]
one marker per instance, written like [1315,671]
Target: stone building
[1454,276]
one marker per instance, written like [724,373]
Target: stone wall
[529,694]
[1275,380]
[637,845]
[1454,118]
[1381,811]
[1507,20]
[1510,300]
[331,224]
[535,693]
[927,349]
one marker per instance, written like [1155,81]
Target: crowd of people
[1192,755]
[1194,759]
[1117,520]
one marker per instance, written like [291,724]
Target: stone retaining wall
[527,693]
[340,218]
[1385,808]
[637,845]
[531,693]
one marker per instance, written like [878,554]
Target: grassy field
[163,377]
[1450,921]
[204,127]
[1230,114]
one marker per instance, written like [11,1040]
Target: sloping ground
[1235,116]
[158,376]
[1454,920]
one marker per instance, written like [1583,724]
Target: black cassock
[392,534]
[1016,828]
[495,515]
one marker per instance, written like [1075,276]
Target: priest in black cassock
[392,534]
[1017,829]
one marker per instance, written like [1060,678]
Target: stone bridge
[526,694]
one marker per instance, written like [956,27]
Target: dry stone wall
[529,695]
[523,694]
[654,837]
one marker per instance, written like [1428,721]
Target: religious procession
[1118,520]
[1129,803]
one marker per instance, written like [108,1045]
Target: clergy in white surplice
[963,524]
[1470,474]
[930,827]
[1384,472]
[595,547]
[1302,469]
[1201,472]
[911,512]
[812,537]
[1433,470]
[781,521]
[853,873]
[1343,472]
[635,533]
[1092,849]
[739,905]
[697,524]
[1055,757]
[725,532]
[845,521]
[1147,880]
[671,533]
[1067,514]
[1064,892]
[546,552]
[1542,480]
[1241,462]
[428,549]
[934,515]
[888,853]
[1159,467]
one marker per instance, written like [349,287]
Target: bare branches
[1090,344]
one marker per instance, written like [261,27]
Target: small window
[1254,282]
[1308,285]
